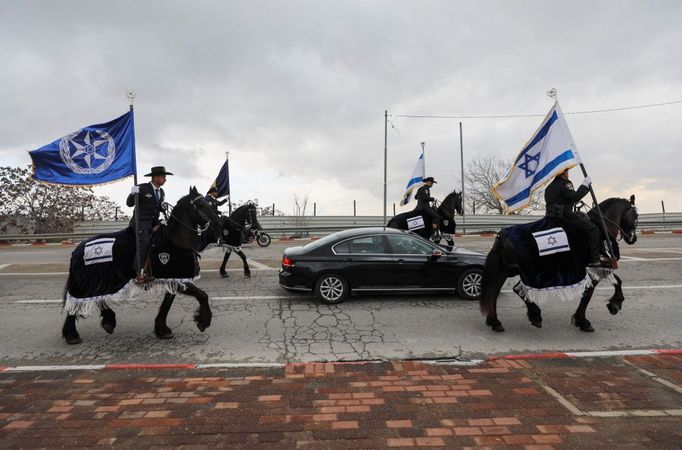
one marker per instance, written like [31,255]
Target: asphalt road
[256,321]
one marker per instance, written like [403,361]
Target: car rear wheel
[332,288]
[469,284]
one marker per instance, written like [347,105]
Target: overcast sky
[296,90]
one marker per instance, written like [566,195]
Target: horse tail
[494,276]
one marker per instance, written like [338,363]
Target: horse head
[196,210]
[620,216]
[252,216]
[451,204]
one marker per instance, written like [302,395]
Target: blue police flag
[94,154]
[222,181]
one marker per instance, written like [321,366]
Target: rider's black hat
[430,179]
[158,170]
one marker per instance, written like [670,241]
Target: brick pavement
[534,404]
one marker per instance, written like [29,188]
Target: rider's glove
[587,182]
[164,206]
[135,190]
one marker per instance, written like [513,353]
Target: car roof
[367,230]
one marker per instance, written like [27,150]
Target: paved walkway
[618,402]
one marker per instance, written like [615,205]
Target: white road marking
[42,274]
[258,265]
[275,297]
[53,252]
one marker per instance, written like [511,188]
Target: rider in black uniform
[560,201]
[212,199]
[424,199]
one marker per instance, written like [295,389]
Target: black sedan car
[379,260]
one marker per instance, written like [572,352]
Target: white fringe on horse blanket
[82,307]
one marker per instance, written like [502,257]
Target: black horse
[620,217]
[233,232]
[446,210]
[101,269]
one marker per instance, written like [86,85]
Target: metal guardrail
[279,226]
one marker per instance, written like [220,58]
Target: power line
[511,116]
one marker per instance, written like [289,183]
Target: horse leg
[161,330]
[223,272]
[69,331]
[203,315]
[493,278]
[451,244]
[615,303]
[108,318]
[534,312]
[579,319]
[247,270]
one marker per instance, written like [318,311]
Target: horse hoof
[166,334]
[73,340]
[537,324]
[587,327]
[613,308]
[109,328]
[498,328]
[247,274]
[224,275]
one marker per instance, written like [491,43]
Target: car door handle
[400,261]
[348,260]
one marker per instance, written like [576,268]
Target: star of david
[526,164]
[551,240]
[97,250]
[90,146]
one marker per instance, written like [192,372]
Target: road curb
[444,361]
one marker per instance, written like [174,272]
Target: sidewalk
[617,402]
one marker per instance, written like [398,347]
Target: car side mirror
[436,254]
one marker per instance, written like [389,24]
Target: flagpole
[138,263]
[461,156]
[385,157]
[229,196]
[552,93]
[424,155]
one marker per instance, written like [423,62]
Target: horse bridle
[629,237]
[199,229]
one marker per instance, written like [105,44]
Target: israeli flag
[415,223]
[94,154]
[99,251]
[416,180]
[549,152]
[551,241]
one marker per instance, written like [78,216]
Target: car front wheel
[469,284]
[332,289]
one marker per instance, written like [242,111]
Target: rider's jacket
[149,205]
[560,197]
[423,197]
[214,202]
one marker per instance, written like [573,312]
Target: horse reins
[198,229]
[622,231]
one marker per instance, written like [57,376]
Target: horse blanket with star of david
[552,262]
[101,269]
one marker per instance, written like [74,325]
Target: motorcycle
[254,234]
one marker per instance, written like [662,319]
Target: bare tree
[28,206]
[300,206]
[482,174]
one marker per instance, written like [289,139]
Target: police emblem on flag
[87,151]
